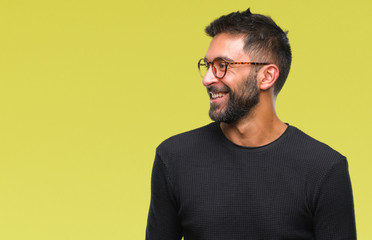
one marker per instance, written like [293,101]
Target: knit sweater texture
[204,187]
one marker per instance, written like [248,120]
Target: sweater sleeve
[162,222]
[334,208]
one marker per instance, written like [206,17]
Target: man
[248,175]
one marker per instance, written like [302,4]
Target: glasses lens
[219,68]
[203,67]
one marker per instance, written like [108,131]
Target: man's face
[233,96]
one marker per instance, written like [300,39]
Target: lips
[217,95]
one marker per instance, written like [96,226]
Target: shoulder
[189,141]
[312,151]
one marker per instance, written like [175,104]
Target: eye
[220,65]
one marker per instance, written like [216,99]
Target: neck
[260,127]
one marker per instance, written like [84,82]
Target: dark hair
[264,40]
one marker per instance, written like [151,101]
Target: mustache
[218,89]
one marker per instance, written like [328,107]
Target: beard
[240,102]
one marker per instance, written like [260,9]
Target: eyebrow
[222,57]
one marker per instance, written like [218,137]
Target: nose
[209,78]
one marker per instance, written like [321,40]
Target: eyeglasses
[219,66]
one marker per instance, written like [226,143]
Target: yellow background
[88,89]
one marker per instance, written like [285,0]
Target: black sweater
[204,187]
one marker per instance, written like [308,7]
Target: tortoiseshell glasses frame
[219,66]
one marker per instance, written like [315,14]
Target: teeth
[217,95]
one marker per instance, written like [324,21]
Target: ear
[268,75]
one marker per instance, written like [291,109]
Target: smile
[215,96]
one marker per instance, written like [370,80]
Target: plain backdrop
[88,89]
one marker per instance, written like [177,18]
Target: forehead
[227,46]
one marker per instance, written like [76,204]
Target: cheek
[233,82]
[231,75]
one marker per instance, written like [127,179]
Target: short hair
[264,40]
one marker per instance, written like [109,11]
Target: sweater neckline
[265,147]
